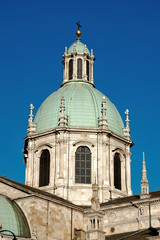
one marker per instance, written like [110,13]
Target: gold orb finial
[78,33]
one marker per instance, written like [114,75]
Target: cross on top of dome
[78,32]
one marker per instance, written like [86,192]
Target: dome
[12,218]
[79,47]
[82,106]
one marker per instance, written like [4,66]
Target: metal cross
[78,24]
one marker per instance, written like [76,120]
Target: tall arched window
[117,171]
[70,69]
[79,68]
[44,168]
[87,69]
[83,165]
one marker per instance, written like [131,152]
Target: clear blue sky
[125,36]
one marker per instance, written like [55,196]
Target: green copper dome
[79,48]
[12,218]
[83,108]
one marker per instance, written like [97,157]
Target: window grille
[83,165]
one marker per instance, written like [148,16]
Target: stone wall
[62,145]
[131,216]
[49,220]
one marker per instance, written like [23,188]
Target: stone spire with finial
[95,217]
[102,121]
[31,125]
[63,118]
[95,199]
[144,181]
[126,130]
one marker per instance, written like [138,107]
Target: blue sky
[125,38]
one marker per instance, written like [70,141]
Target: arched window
[79,68]
[70,68]
[87,69]
[117,171]
[83,165]
[44,168]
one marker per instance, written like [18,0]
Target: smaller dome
[80,48]
[12,218]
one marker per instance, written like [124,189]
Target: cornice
[80,129]
[129,205]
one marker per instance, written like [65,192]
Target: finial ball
[78,33]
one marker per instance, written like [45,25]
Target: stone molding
[83,142]
[104,208]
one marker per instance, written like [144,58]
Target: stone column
[122,173]
[128,170]
[30,163]
[91,71]
[36,169]
[65,66]
[68,165]
[104,165]
[91,66]
[74,67]
[26,170]
[67,70]
[61,158]
[84,68]
[107,164]
[52,166]
[111,168]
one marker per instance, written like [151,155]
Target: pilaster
[128,169]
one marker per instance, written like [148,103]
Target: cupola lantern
[78,62]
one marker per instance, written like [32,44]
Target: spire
[144,172]
[85,49]
[102,121]
[78,32]
[65,53]
[31,126]
[31,113]
[144,181]
[92,53]
[95,217]
[63,118]
[95,199]
[126,130]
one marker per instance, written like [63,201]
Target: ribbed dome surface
[12,218]
[83,108]
[79,48]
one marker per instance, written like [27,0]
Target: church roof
[12,218]
[140,234]
[129,199]
[118,201]
[79,48]
[35,191]
[82,106]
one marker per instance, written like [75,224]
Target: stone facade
[53,218]
[62,144]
